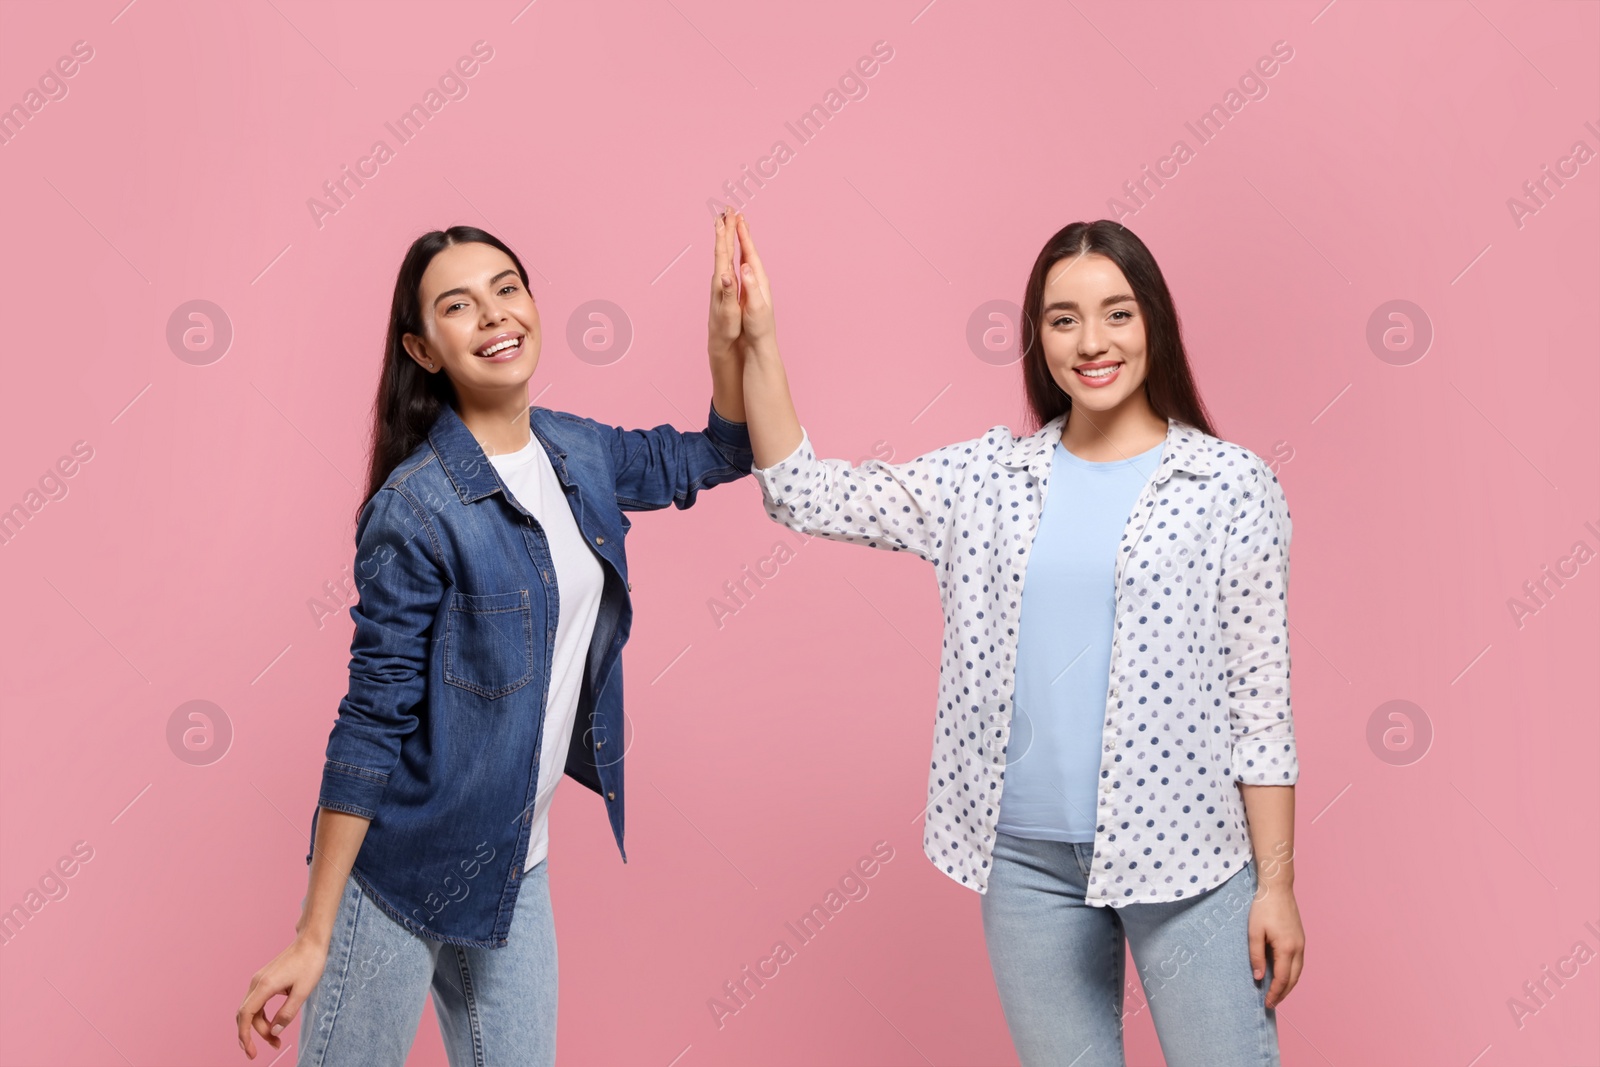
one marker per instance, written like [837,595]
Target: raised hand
[759,327]
[774,428]
[722,332]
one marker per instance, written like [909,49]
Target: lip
[510,353]
[1099,383]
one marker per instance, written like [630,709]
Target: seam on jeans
[344,974]
[469,998]
[1266,1037]
[1119,1005]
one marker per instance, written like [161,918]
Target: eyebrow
[463,292]
[1072,305]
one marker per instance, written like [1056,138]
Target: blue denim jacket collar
[463,458]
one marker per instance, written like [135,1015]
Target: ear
[417,349]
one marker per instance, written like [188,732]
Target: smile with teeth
[1098,375]
[503,346]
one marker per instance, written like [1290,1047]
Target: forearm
[338,841]
[769,410]
[727,386]
[1269,809]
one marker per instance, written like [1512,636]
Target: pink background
[780,746]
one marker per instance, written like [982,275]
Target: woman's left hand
[1275,922]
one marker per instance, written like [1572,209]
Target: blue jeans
[495,1006]
[1058,965]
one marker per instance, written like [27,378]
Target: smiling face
[479,322]
[1093,333]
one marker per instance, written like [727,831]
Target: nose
[1091,340]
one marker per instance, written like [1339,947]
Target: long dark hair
[409,398]
[1168,384]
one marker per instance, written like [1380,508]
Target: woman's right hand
[295,972]
[759,330]
[774,427]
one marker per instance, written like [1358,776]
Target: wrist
[760,351]
[316,941]
[1275,871]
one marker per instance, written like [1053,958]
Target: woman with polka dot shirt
[1114,754]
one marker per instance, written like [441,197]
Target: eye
[452,307]
[1120,311]
[512,286]
[1059,321]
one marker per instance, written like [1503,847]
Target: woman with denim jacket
[485,664]
[1113,752]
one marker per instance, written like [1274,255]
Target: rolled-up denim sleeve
[1255,628]
[400,583]
[665,465]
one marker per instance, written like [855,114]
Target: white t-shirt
[579,580]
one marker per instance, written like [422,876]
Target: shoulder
[414,495]
[570,431]
[418,460]
[1231,464]
[1000,446]
[976,453]
[568,419]
[395,520]
[1245,481]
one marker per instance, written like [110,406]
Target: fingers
[1258,953]
[288,1011]
[754,272]
[253,1002]
[252,1018]
[726,316]
[747,247]
[722,268]
[1279,987]
[1287,960]
[259,1024]
[1291,963]
[753,294]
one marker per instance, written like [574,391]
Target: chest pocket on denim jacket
[488,642]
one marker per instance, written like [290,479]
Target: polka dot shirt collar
[1185,450]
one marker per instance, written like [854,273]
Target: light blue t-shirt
[1064,646]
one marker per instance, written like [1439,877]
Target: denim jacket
[437,740]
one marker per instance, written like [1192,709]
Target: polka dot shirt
[1198,693]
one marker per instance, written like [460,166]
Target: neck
[1126,430]
[499,421]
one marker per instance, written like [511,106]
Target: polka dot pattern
[1198,694]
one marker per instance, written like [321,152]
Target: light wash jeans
[1058,964]
[496,1007]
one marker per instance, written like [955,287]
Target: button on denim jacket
[437,740]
